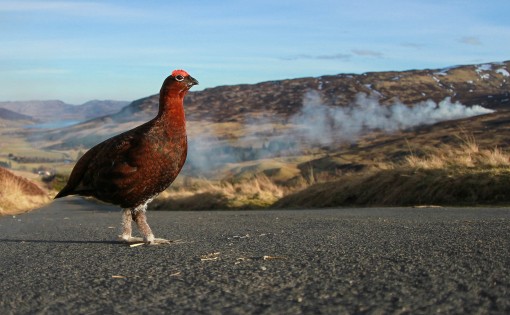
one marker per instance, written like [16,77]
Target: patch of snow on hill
[483,68]
[503,72]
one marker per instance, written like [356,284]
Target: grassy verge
[462,175]
[408,187]
[18,195]
[200,194]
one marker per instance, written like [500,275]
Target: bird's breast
[167,154]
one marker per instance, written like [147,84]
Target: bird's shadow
[61,242]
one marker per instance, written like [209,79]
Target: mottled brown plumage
[132,168]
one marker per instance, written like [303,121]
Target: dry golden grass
[451,175]
[15,199]
[202,194]
[467,155]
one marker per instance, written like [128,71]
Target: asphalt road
[62,259]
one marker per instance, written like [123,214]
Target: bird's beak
[192,81]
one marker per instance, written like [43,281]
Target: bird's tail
[61,194]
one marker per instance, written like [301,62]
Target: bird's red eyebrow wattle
[179,72]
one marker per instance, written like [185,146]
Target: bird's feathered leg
[135,214]
[126,226]
[140,217]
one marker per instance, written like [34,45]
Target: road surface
[63,259]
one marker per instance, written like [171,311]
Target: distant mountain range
[55,110]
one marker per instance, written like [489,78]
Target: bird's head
[176,85]
[182,79]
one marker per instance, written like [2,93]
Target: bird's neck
[171,109]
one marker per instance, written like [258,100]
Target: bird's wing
[79,171]
[106,167]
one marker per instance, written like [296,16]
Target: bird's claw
[130,239]
[154,241]
[159,241]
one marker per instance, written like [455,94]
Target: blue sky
[77,51]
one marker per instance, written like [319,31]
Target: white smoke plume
[323,124]
[318,124]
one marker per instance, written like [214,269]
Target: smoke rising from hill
[318,124]
[322,124]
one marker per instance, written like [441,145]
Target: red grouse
[132,168]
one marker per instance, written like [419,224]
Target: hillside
[487,85]
[19,194]
[10,115]
[10,119]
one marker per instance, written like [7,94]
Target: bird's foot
[148,241]
[131,239]
[159,241]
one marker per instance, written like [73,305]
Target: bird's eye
[179,77]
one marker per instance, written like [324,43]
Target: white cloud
[367,53]
[338,56]
[412,45]
[471,40]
